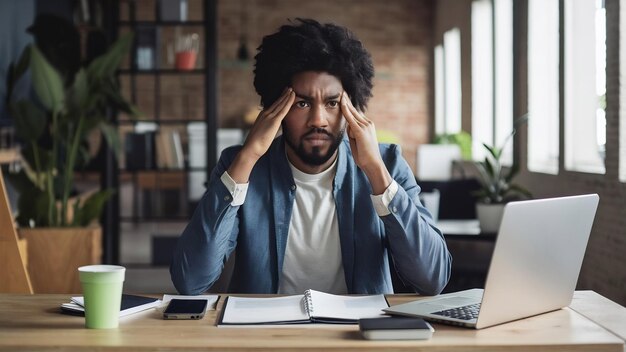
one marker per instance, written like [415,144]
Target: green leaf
[112,92]
[23,63]
[47,82]
[32,205]
[20,181]
[15,72]
[79,91]
[92,208]
[492,150]
[45,156]
[111,136]
[512,173]
[29,120]
[489,168]
[106,64]
[517,189]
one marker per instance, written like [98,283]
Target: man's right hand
[261,136]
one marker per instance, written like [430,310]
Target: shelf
[162,23]
[154,218]
[171,100]
[9,155]
[148,171]
[165,122]
[162,71]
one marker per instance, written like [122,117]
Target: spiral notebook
[311,307]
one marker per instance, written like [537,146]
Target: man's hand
[362,135]
[261,136]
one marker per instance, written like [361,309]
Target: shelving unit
[169,151]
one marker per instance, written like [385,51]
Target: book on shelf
[169,149]
[130,304]
[164,157]
[177,150]
[310,307]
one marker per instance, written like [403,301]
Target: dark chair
[457,199]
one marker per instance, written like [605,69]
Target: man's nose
[318,117]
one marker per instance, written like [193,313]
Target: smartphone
[185,309]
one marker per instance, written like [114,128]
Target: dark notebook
[130,304]
[396,328]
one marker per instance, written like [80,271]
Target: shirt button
[226,198]
[293,187]
[394,209]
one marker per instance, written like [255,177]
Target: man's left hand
[364,144]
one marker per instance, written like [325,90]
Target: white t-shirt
[313,253]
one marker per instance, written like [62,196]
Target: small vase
[186,60]
[489,217]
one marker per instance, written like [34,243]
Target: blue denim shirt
[258,230]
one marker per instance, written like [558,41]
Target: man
[311,208]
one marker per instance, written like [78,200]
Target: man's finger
[348,113]
[360,117]
[286,106]
[278,103]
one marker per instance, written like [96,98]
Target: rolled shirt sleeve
[381,201]
[238,191]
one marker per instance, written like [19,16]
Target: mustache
[318,130]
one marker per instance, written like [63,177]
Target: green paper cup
[102,290]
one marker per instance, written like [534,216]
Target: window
[503,38]
[543,86]
[482,78]
[585,85]
[622,91]
[439,92]
[492,76]
[448,83]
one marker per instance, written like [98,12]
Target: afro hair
[311,46]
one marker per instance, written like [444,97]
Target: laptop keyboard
[468,312]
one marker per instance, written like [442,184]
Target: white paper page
[78,304]
[246,310]
[347,307]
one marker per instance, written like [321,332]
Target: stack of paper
[130,304]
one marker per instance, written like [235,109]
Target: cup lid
[101,273]
[101,268]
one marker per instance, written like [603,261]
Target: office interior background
[442,66]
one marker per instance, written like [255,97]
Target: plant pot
[55,253]
[489,216]
[186,60]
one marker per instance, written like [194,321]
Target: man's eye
[333,103]
[302,104]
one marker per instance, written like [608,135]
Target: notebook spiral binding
[308,302]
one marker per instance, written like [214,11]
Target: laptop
[534,269]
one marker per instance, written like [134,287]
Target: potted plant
[53,125]
[497,187]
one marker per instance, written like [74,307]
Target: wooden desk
[32,322]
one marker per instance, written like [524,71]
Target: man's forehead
[325,94]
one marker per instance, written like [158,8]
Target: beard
[315,157]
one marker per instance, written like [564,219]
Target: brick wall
[396,32]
